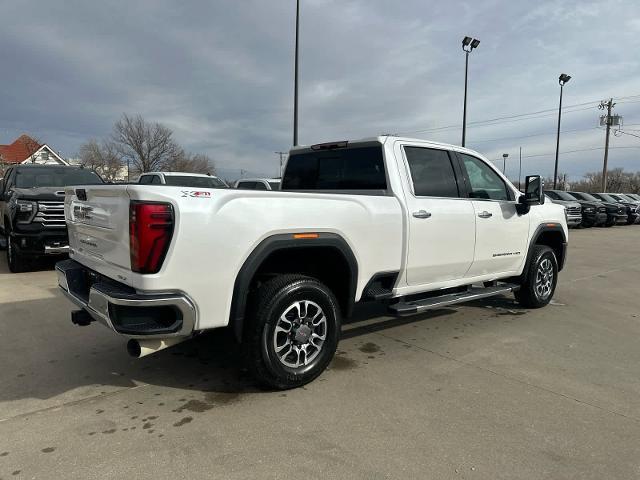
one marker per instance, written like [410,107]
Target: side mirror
[534,190]
[533,194]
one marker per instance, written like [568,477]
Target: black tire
[287,296]
[537,286]
[15,260]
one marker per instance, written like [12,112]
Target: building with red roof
[27,150]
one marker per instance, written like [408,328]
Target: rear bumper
[122,309]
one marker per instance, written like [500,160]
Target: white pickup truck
[412,223]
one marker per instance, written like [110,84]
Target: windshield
[607,198]
[584,196]
[564,196]
[55,177]
[195,182]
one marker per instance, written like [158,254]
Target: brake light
[150,232]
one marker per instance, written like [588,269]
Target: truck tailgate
[98,223]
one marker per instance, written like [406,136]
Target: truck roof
[382,139]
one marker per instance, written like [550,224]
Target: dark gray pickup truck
[32,210]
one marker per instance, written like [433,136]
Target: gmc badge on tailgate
[81,212]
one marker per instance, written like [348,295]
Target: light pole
[564,78]
[504,161]
[468,44]
[520,169]
[295,79]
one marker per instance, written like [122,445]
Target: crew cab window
[431,172]
[260,186]
[155,180]
[274,185]
[145,179]
[247,185]
[357,168]
[485,183]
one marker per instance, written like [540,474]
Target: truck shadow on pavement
[44,355]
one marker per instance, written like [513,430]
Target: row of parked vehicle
[597,209]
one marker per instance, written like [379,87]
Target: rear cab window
[357,168]
[432,172]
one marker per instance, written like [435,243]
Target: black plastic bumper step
[474,293]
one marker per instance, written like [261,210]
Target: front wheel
[292,332]
[540,280]
[15,259]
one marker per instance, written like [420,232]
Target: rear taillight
[150,231]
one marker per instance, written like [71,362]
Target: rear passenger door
[441,223]
[501,234]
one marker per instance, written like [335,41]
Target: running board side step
[403,308]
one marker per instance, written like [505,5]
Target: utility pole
[295,79]
[504,162]
[608,105]
[281,160]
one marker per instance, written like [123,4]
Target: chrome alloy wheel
[300,334]
[544,279]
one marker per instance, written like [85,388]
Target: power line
[530,115]
[535,135]
[499,120]
[572,151]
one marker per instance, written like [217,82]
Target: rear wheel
[292,332]
[540,279]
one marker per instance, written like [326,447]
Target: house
[27,150]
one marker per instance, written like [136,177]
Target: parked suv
[32,210]
[572,207]
[616,213]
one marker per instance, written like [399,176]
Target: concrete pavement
[481,391]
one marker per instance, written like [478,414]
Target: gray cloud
[220,73]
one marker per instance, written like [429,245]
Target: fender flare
[543,228]
[273,244]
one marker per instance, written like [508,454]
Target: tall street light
[468,44]
[504,162]
[564,78]
[295,79]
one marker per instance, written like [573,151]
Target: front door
[441,224]
[501,234]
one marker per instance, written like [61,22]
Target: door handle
[485,214]
[421,214]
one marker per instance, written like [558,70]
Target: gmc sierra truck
[415,224]
[32,210]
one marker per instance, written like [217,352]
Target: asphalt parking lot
[484,391]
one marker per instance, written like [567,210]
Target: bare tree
[617,181]
[186,162]
[102,157]
[146,146]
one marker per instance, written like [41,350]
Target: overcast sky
[220,73]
